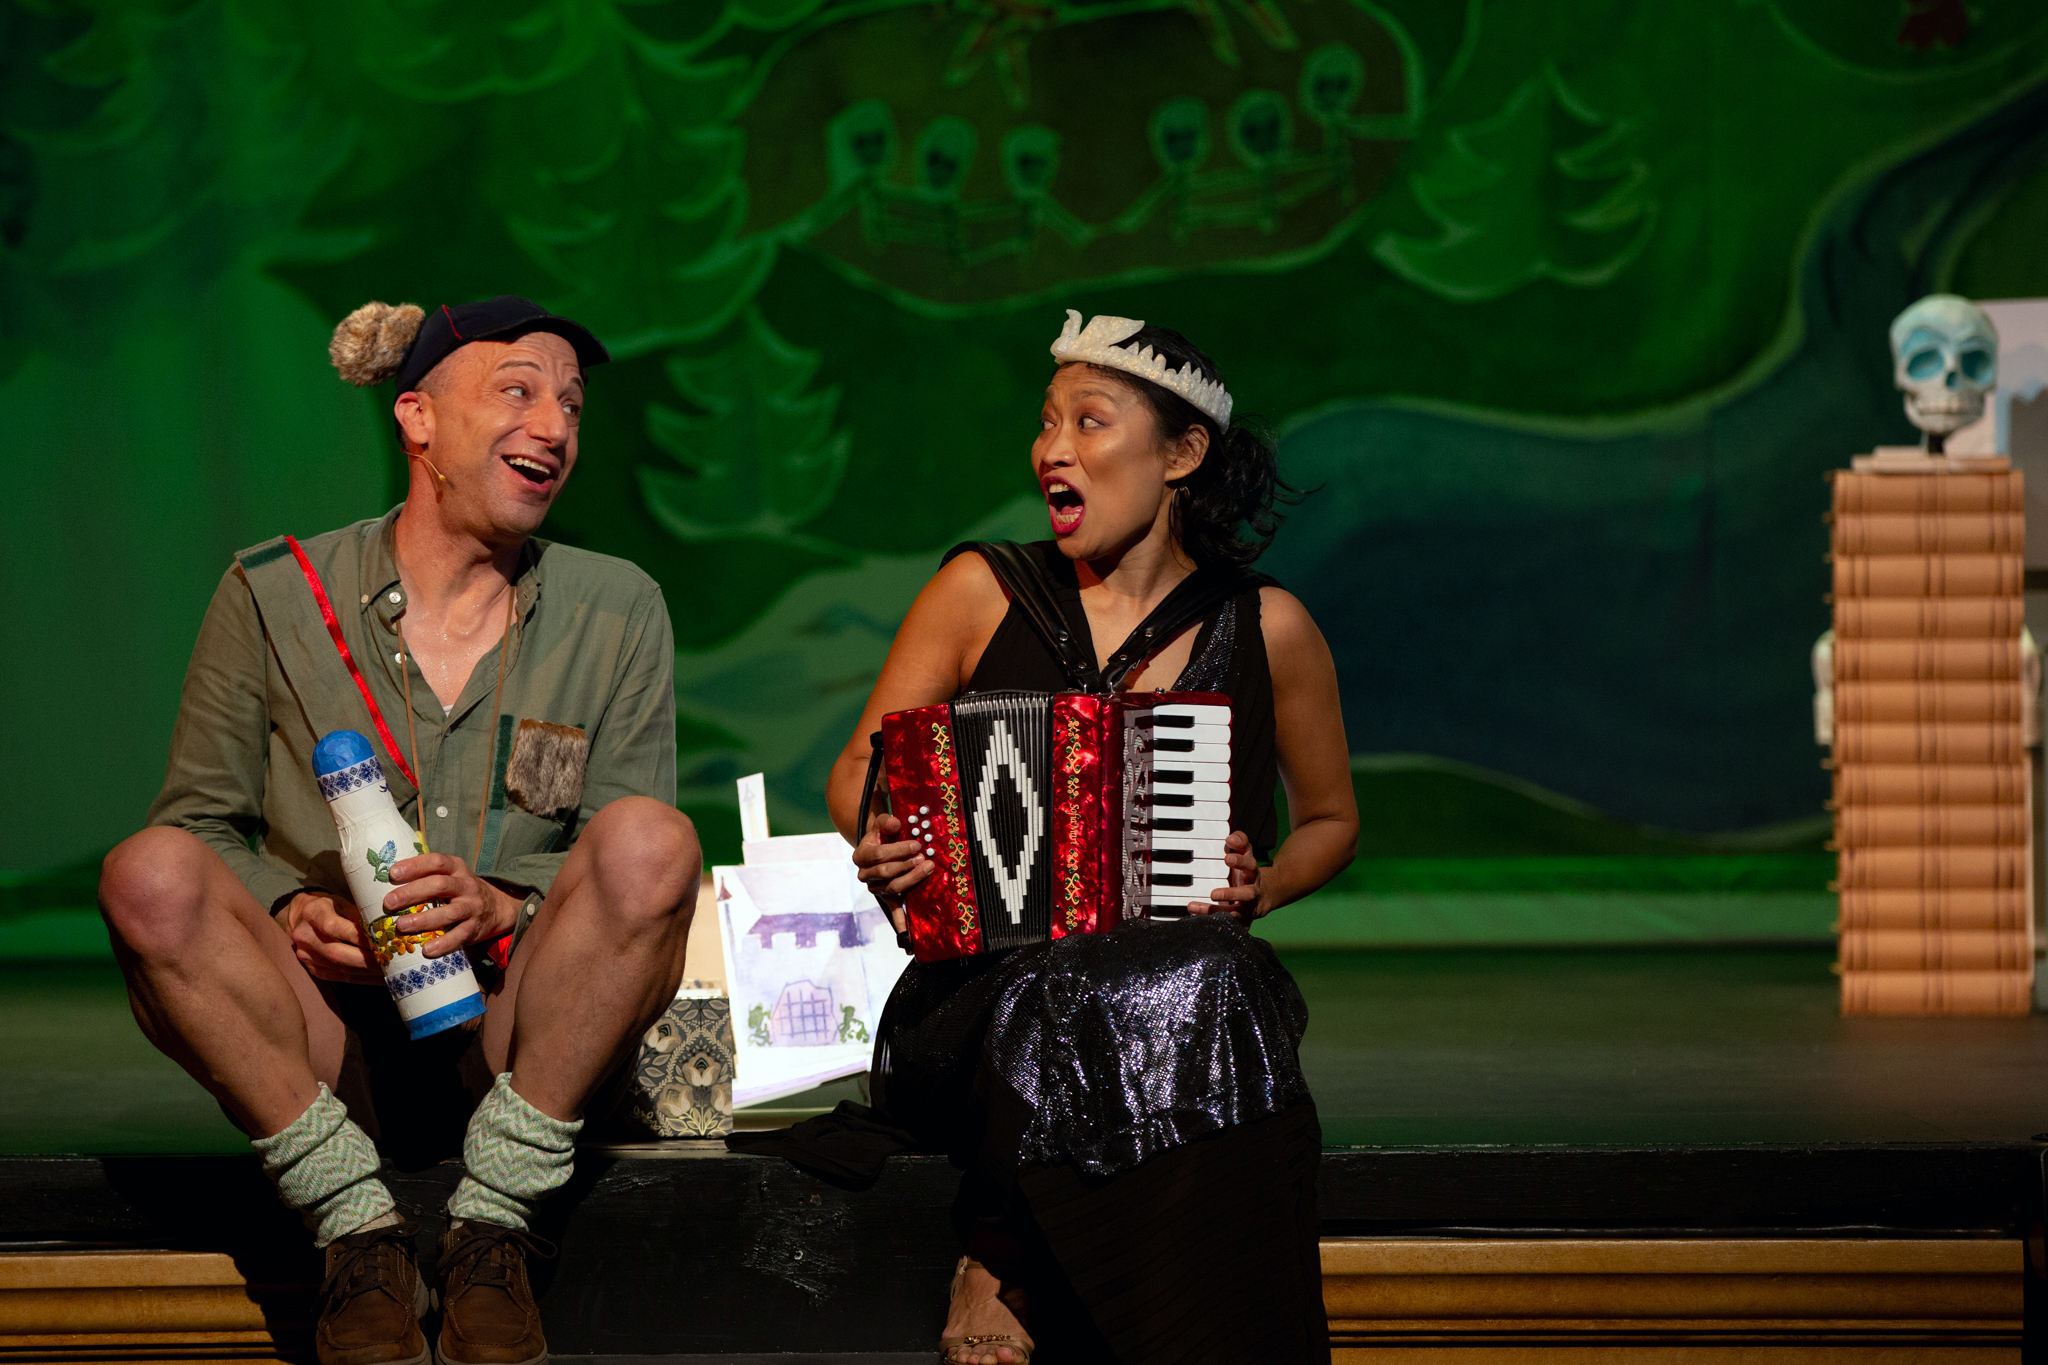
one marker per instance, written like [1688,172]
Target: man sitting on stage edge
[529,686]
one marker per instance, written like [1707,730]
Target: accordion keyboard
[1181,810]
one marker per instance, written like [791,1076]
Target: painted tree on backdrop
[1545,189]
[765,456]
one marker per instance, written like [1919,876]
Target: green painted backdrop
[1562,307]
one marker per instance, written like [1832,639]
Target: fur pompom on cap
[370,343]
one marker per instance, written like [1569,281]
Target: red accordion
[1049,814]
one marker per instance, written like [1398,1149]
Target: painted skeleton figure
[1945,361]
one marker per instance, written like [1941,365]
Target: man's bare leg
[597,966]
[602,959]
[214,982]
[216,985]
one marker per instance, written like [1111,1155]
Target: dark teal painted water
[1624,615]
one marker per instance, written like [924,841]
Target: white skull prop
[1945,352]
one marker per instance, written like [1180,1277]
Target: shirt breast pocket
[524,833]
[544,773]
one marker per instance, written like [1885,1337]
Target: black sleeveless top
[1229,656]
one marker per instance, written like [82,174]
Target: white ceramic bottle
[433,993]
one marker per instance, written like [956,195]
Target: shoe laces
[484,1254]
[366,1262]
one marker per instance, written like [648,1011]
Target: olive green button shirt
[591,648]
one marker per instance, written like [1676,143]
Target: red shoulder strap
[348,660]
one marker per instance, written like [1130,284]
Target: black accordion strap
[1024,574]
[1193,598]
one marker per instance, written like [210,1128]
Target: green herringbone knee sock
[512,1155]
[326,1168]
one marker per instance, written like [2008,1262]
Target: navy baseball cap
[452,326]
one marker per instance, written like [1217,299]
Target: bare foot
[982,1308]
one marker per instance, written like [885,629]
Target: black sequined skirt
[1131,1115]
[1121,1046]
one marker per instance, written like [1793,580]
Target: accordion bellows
[1047,814]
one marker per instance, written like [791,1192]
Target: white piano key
[1199,754]
[1168,826]
[1179,802]
[1170,839]
[1179,740]
[1203,876]
[1203,870]
[1167,852]
[1201,715]
[1172,772]
[1180,860]
[1182,741]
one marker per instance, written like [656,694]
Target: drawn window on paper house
[806,1011]
[803,1016]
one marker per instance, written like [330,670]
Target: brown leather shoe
[372,1301]
[488,1315]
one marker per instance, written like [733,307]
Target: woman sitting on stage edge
[1140,1146]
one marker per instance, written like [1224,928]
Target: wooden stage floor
[1557,1155]
[1525,1047]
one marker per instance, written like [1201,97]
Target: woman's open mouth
[1067,506]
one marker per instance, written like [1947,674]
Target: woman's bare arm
[1315,768]
[933,656]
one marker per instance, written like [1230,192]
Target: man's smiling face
[499,420]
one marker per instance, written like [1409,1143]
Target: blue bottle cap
[339,750]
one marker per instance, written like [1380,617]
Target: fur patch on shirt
[545,773]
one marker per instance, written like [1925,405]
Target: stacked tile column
[1931,789]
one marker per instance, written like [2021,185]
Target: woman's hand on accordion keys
[1241,897]
[889,869]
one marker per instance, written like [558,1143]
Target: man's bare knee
[151,886]
[647,855]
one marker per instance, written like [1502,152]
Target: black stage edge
[721,1257]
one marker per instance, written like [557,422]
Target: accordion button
[924,810]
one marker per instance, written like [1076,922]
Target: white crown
[1096,344]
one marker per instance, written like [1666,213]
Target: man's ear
[415,413]
[1188,451]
